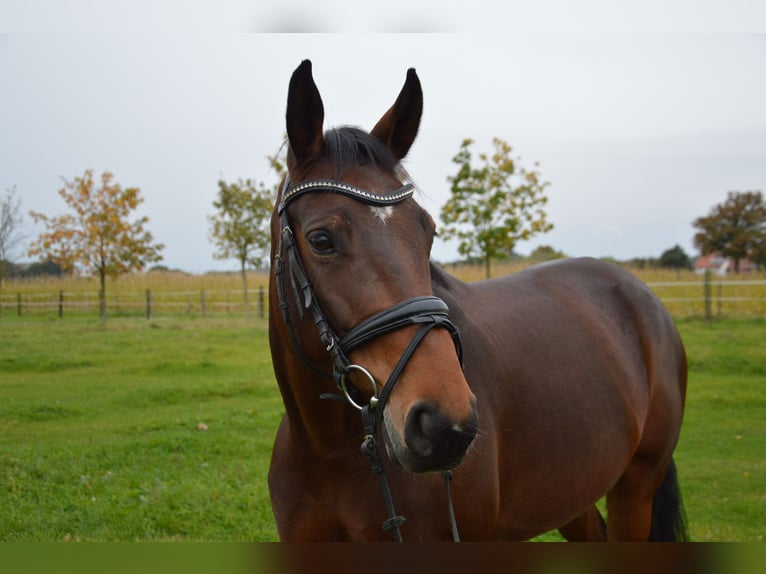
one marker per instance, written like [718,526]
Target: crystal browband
[397,196]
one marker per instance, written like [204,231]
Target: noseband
[427,312]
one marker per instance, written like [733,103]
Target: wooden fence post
[203,302]
[706,295]
[61,304]
[261,302]
[18,303]
[148,305]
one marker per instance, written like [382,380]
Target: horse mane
[349,146]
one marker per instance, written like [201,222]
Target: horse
[538,393]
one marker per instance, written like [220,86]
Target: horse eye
[321,242]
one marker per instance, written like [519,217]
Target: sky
[641,117]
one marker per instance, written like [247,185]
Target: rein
[427,312]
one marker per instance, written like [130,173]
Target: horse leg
[588,527]
[629,503]
[645,504]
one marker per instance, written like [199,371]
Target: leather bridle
[426,312]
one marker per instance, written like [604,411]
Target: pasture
[162,430]
[174,293]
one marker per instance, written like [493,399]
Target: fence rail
[712,297]
[149,303]
[705,297]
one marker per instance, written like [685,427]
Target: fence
[149,303]
[710,298]
[704,297]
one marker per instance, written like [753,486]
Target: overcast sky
[640,119]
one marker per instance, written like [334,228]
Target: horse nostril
[431,435]
[420,428]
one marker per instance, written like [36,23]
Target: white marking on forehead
[382,212]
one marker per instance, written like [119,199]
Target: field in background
[162,430]
[172,293]
[682,292]
[169,293]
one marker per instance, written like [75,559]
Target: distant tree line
[29,270]
[673,258]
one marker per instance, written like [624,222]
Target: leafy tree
[240,227]
[97,233]
[675,258]
[493,204]
[735,228]
[10,220]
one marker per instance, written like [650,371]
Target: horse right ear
[305,116]
[399,125]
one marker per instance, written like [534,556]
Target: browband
[333,186]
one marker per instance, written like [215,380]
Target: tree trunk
[487,269]
[243,271]
[102,295]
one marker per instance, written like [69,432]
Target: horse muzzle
[430,440]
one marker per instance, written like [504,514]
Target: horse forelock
[348,147]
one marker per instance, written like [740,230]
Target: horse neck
[322,425]
[319,425]
[445,285]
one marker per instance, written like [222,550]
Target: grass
[722,451]
[136,430]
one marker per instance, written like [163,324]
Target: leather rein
[427,312]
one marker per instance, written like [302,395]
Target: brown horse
[542,391]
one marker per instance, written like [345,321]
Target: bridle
[426,312]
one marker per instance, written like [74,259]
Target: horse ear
[305,115]
[399,125]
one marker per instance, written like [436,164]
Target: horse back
[562,316]
[562,300]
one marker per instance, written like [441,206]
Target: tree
[98,233]
[10,220]
[240,227]
[735,228]
[675,258]
[493,205]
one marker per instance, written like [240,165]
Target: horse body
[573,381]
[592,364]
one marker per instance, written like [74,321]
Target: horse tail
[668,515]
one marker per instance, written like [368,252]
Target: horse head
[359,277]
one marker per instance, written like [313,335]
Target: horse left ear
[399,125]
[304,117]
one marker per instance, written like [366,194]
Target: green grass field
[136,430]
[99,435]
